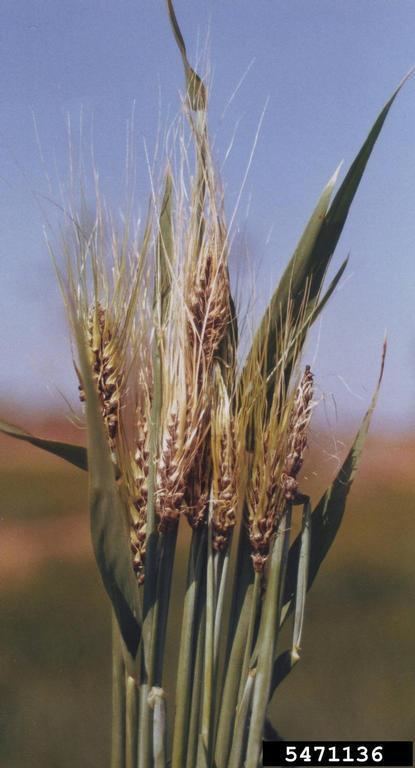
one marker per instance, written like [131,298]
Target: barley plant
[185,431]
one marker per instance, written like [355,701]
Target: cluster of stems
[182,427]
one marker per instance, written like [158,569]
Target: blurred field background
[88,64]
[356,677]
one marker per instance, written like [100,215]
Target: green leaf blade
[74,454]
[339,209]
[328,515]
[308,266]
[296,274]
[164,251]
[196,90]
[291,286]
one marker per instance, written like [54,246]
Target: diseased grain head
[264,498]
[208,293]
[170,481]
[225,469]
[275,428]
[103,286]
[107,367]
[277,460]
[138,491]
[297,435]
[196,495]
[190,322]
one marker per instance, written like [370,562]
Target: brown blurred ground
[356,679]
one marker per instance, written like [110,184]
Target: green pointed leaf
[292,284]
[319,305]
[165,250]
[327,516]
[309,264]
[74,454]
[313,311]
[196,91]
[337,214]
[109,529]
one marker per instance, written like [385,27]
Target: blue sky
[323,67]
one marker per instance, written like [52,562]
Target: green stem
[144,724]
[302,578]
[222,564]
[118,699]
[287,660]
[267,639]
[243,578]
[238,628]
[159,728]
[204,748]
[151,526]
[197,558]
[150,583]
[197,686]
[131,724]
[164,582]
[239,736]
[253,623]
[222,571]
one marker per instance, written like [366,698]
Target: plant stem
[197,558]
[159,728]
[204,748]
[302,578]
[239,736]
[267,639]
[118,699]
[150,584]
[164,582]
[131,724]
[253,621]
[287,660]
[222,561]
[144,724]
[238,628]
[197,686]
[167,547]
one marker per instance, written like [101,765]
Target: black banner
[338,754]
